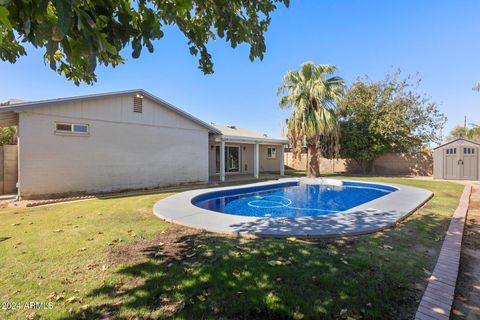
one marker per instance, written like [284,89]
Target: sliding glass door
[232,159]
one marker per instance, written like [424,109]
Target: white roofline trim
[228,138]
[35,104]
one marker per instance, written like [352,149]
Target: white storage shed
[457,160]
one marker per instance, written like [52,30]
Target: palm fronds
[312,94]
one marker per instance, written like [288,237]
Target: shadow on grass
[4,238]
[357,222]
[202,275]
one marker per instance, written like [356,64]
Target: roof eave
[251,139]
[41,103]
[180,111]
[29,105]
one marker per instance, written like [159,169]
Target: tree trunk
[372,167]
[364,167]
[361,165]
[313,168]
[306,163]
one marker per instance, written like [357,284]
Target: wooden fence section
[8,169]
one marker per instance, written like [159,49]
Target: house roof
[455,140]
[17,101]
[52,102]
[234,133]
[228,132]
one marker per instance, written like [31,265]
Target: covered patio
[245,154]
[244,177]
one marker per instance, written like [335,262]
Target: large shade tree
[78,35]
[311,94]
[386,116]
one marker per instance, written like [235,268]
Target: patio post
[282,160]
[222,160]
[255,161]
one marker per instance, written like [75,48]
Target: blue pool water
[291,199]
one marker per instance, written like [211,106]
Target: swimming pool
[292,199]
[293,207]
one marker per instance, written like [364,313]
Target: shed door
[451,163]
[469,163]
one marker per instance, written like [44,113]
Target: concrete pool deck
[369,217]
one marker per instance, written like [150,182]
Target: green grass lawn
[114,258]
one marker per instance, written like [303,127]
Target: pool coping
[369,217]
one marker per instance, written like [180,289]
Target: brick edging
[438,298]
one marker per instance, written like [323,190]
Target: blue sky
[436,38]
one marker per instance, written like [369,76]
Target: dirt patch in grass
[169,244]
[467,298]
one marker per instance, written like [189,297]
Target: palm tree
[471,133]
[474,132]
[312,93]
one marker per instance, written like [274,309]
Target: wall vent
[138,103]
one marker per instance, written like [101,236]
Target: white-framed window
[72,128]
[271,153]
[451,151]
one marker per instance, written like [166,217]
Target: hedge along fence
[418,164]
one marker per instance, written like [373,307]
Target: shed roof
[52,102]
[455,140]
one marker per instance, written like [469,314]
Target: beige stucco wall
[326,165]
[420,164]
[269,165]
[246,158]
[124,150]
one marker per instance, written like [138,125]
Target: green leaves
[4,21]
[8,135]
[184,5]
[388,115]
[89,33]
[64,13]
[312,93]
[137,47]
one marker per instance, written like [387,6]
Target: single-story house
[457,160]
[127,140]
